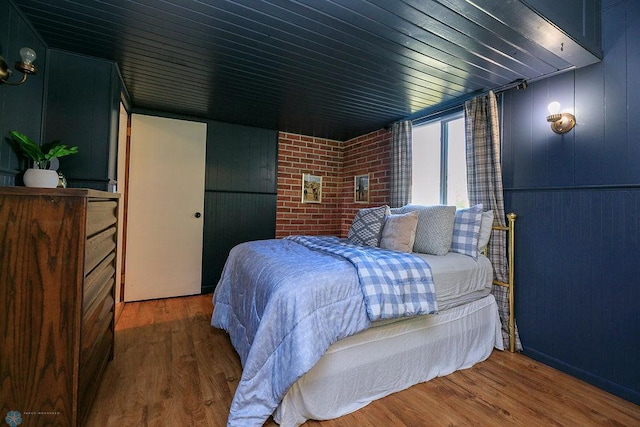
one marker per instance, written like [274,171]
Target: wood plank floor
[171,368]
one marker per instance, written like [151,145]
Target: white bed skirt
[386,359]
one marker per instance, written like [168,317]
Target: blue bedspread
[394,284]
[283,304]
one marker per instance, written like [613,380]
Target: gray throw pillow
[435,228]
[366,228]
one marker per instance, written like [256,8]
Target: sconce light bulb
[554,107]
[28,55]
[26,67]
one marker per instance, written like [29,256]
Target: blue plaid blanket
[394,284]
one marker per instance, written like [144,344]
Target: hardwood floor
[171,368]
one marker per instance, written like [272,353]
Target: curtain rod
[459,102]
[440,109]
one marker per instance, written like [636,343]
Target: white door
[166,202]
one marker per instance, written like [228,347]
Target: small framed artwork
[361,188]
[311,188]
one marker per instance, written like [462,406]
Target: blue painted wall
[86,117]
[20,106]
[577,197]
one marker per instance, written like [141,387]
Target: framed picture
[311,188]
[361,188]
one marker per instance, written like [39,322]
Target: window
[439,162]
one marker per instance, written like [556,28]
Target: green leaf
[36,153]
[29,148]
[60,151]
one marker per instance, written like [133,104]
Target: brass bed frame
[510,229]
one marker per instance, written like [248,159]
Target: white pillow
[485,230]
[399,232]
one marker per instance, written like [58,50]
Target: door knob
[198,215]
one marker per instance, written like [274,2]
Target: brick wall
[337,162]
[298,154]
[370,154]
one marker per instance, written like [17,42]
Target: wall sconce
[26,67]
[560,122]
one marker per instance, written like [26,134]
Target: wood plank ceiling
[329,68]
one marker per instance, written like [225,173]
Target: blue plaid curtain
[484,181]
[400,164]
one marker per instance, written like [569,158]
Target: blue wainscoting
[578,283]
[577,197]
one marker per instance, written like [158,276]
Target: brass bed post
[510,229]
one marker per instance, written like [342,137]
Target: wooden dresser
[57,275]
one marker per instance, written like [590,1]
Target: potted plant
[40,175]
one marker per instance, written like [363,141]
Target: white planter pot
[43,178]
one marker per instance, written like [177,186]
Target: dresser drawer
[98,247]
[99,278]
[100,215]
[91,373]
[94,355]
[96,323]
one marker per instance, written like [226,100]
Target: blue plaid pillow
[466,229]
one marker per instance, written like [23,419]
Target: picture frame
[361,188]
[311,188]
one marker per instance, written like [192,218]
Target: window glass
[425,166]
[439,162]
[457,194]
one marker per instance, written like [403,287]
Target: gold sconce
[26,67]
[560,122]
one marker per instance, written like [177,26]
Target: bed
[309,335]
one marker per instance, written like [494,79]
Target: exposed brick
[337,162]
